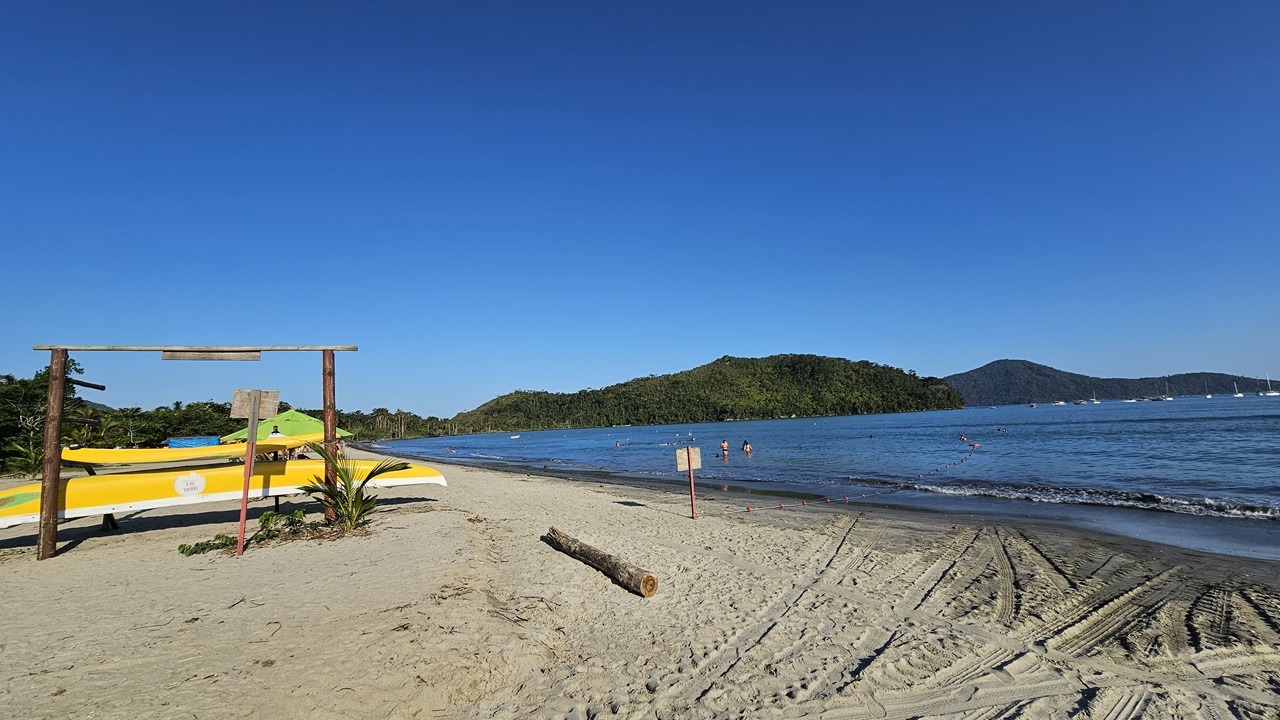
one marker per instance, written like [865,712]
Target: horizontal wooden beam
[209,355]
[87,384]
[196,348]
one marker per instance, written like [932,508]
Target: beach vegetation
[346,499]
[728,389]
[23,402]
[271,526]
[25,460]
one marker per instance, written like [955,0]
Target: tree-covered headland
[728,389]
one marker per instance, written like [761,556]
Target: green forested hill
[1009,382]
[728,389]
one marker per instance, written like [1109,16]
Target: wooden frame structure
[47,538]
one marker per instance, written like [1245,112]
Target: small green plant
[27,461]
[218,542]
[346,499]
[271,526]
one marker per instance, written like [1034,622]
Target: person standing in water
[746,448]
[724,449]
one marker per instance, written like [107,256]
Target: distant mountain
[1011,382]
[728,389]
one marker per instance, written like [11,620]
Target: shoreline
[1252,538]
[452,606]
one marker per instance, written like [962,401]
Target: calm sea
[1191,456]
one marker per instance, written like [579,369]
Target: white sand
[452,607]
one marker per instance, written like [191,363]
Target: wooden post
[330,425]
[690,458]
[251,440]
[638,581]
[50,483]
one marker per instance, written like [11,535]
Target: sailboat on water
[1270,392]
[1207,394]
[1237,389]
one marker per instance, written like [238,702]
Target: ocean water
[1188,457]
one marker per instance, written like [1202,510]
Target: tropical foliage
[728,389]
[346,499]
[25,460]
[271,526]
[23,402]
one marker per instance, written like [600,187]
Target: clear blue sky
[496,196]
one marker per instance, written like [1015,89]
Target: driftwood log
[638,581]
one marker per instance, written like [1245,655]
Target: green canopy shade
[290,422]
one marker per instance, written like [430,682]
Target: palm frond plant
[346,499]
[27,460]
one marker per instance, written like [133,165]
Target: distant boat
[513,437]
[1270,392]
[1059,402]
[1237,389]
[1032,405]
[1082,402]
[1094,400]
[1207,394]
[1131,400]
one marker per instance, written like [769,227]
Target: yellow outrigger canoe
[140,456]
[127,492]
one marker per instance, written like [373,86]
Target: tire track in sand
[1050,569]
[1108,615]
[1006,598]
[1120,704]
[917,583]
[683,690]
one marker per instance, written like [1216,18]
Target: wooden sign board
[682,459]
[268,403]
[206,355]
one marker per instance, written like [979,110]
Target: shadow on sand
[74,532]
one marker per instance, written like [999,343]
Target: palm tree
[347,500]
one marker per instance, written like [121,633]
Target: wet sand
[452,606]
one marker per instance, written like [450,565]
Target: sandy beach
[451,606]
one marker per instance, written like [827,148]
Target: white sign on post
[684,455]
